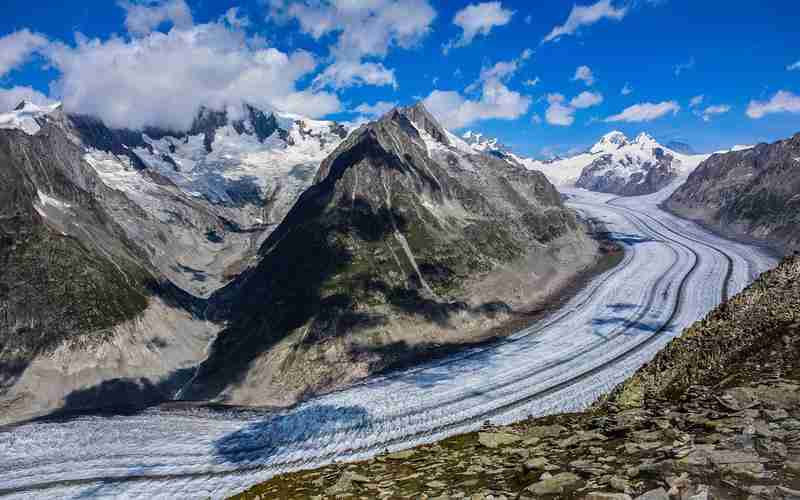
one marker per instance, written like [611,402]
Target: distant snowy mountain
[26,117]
[620,165]
[483,144]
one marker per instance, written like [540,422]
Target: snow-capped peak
[26,117]
[479,142]
[610,142]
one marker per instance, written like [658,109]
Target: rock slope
[81,308]
[407,240]
[752,193]
[716,415]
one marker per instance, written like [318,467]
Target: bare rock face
[383,255]
[752,193]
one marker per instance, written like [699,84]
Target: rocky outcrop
[402,243]
[752,194]
[727,428]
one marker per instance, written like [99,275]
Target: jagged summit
[423,119]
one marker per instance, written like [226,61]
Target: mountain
[619,165]
[751,193]
[112,239]
[713,416]
[85,319]
[408,239]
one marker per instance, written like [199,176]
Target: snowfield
[673,273]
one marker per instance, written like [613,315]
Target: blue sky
[331,58]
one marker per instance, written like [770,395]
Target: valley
[672,274]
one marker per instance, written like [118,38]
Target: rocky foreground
[715,415]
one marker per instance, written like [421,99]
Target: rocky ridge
[407,240]
[752,193]
[699,422]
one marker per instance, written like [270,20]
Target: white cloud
[584,74]
[696,101]
[501,71]
[377,109]
[562,113]
[532,82]
[585,16]
[9,98]
[478,19]
[352,73]
[559,113]
[712,111]
[680,68]
[161,79]
[586,100]
[626,90]
[364,29]
[496,101]
[793,67]
[645,112]
[235,19]
[535,118]
[782,102]
[17,47]
[143,17]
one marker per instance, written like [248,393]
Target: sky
[546,78]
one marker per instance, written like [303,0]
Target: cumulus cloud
[586,16]
[793,67]
[626,90]
[162,79]
[496,101]
[16,48]
[375,110]
[143,17]
[353,73]
[645,112]
[584,74]
[236,19]
[782,102]
[559,113]
[696,101]
[501,71]
[562,113]
[478,19]
[362,30]
[711,111]
[680,68]
[586,100]
[9,98]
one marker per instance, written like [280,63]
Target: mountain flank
[716,415]
[85,320]
[751,194]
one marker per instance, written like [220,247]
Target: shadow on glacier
[306,424]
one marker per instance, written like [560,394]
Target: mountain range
[260,257]
[292,255]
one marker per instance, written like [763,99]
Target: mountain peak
[424,120]
[610,141]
